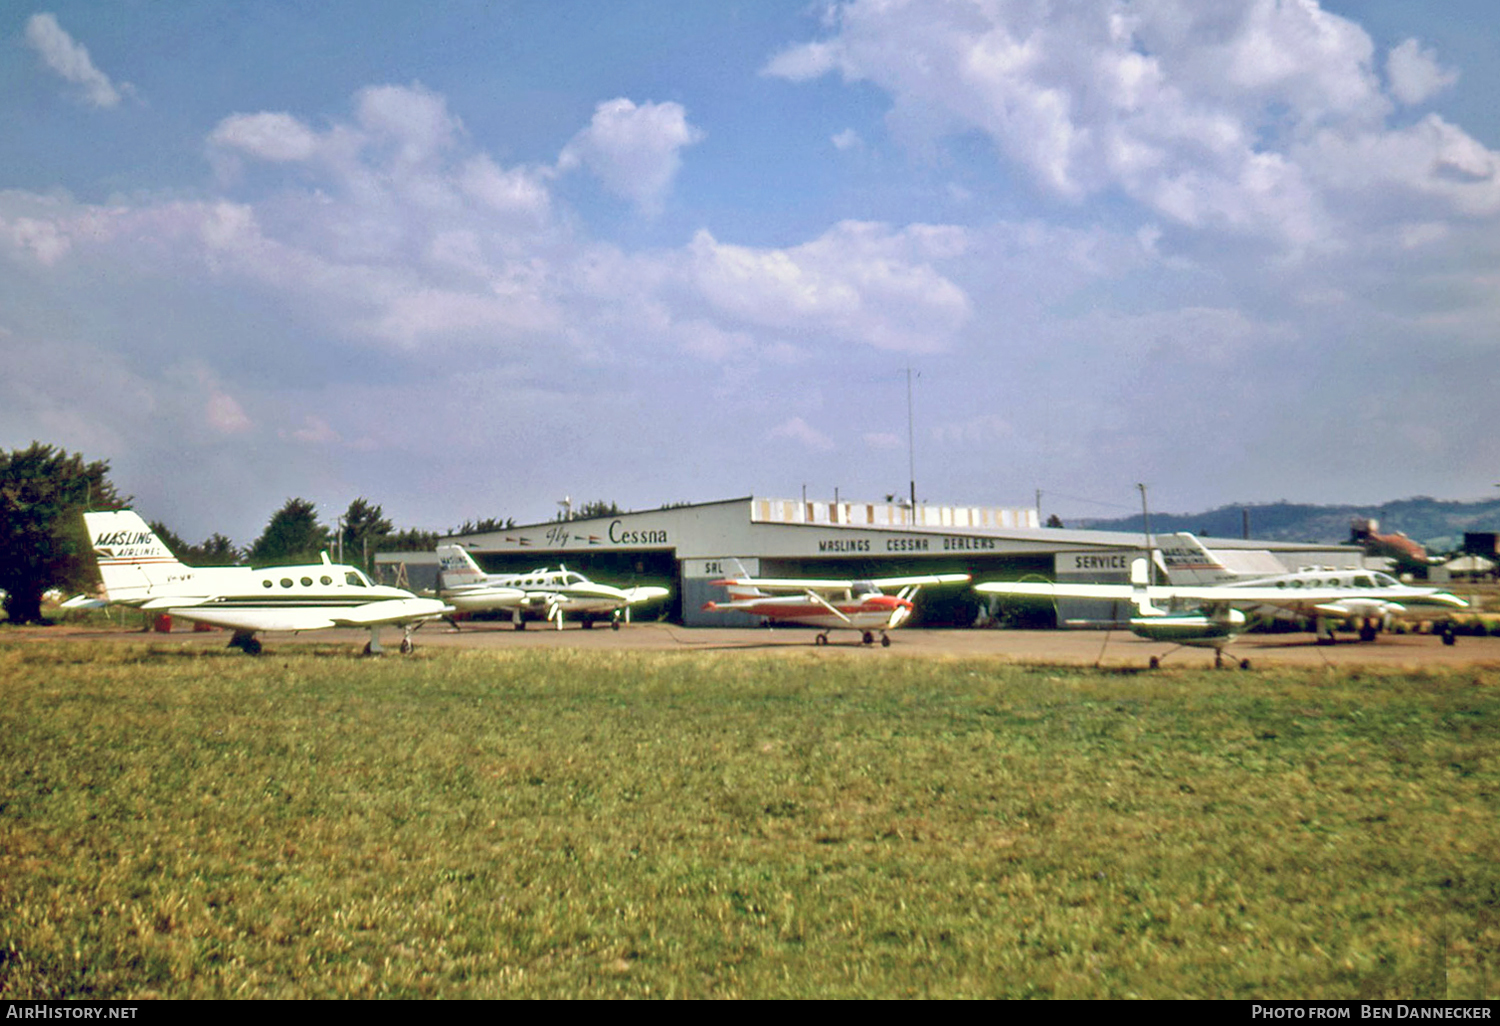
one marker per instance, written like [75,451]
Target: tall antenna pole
[911,447]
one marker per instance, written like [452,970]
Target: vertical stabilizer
[457,568]
[134,563]
[1188,561]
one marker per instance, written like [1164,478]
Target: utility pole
[1150,548]
[911,447]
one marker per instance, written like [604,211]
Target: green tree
[44,492]
[217,550]
[292,536]
[364,525]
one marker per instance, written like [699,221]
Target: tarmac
[1049,647]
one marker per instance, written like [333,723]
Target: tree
[293,536]
[44,492]
[364,527]
[217,550]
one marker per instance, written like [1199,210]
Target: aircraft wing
[784,584]
[312,618]
[645,593]
[920,581]
[1046,589]
[480,597]
[374,614]
[1311,601]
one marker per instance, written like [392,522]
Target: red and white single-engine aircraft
[832,605]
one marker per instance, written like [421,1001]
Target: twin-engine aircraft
[549,594]
[141,572]
[832,605]
[1323,595]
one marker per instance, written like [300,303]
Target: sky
[469,258]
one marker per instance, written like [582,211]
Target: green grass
[189,823]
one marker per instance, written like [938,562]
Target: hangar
[686,547]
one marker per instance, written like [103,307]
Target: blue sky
[465,259]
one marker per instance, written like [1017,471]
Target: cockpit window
[356,579]
[573,579]
[863,588]
[1363,581]
[1385,581]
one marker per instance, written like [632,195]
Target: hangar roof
[752,526]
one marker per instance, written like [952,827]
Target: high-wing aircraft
[141,572]
[547,593]
[832,605]
[1212,615]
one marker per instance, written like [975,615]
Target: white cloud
[1210,116]
[70,59]
[848,139]
[635,151]
[276,137]
[1415,74]
[859,282]
[798,430]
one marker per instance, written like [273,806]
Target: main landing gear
[373,647]
[868,637]
[1243,664]
[245,642]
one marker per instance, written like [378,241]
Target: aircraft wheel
[588,623]
[1155,663]
[885,641]
[252,646]
[368,650]
[1366,632]
[821,639]
[1244,664]
[1450,637]
[407,646]
[520,625]
[615,625]
[869,639]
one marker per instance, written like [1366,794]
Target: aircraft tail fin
[134,563]
[1188,561]
[456,567]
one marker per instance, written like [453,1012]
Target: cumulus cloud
[1415,74]
[1210,116]
[635,151]
[275,137]
[70,60]
[860,282]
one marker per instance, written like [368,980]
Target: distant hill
[1437,524]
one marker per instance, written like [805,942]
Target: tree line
[44,492]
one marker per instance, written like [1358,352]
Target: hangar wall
[685,548]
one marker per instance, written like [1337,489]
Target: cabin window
[1363,582]
[325,580]
[307,582]
[266,583]
[286,582]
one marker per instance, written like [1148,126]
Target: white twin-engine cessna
[141,572]
[547,593]
[851,605]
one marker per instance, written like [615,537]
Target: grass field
[190,823]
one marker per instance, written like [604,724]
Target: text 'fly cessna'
[861,606]
[141,572]
[547,593]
